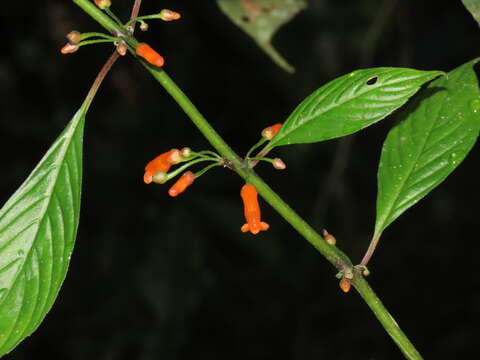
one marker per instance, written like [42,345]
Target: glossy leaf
[38,225]
[261,19]
[351,103]
[434,135]
[473,6]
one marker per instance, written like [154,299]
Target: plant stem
[331,253]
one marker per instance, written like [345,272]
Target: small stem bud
[185,152]
[175,156]
[160,177]
[103,4]
[74,37]
[69,49]
[329,238]
[122,49]
[279,164]
[345,285]
[169,15]
[143,26]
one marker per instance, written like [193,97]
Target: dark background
[159,278]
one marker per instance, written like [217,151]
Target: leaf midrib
[310,118]
[68,140]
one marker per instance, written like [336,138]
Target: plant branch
[135,11]
[331,253]
[99,79]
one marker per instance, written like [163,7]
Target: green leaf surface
[38,225]
[435,133]
[350,103]
[473,6]
[261,19]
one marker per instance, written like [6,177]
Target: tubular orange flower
[161,163]
[252,210]
[269,132]
[145,51]
[181,185]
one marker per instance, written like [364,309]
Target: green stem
[331,253]
[256,146]
[146,17]
[113,16]
[84,36]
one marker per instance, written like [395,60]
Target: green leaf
[434,135]
[38,225]
[350,103]
[261,19]
[473,6]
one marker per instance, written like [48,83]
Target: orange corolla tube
[181,185]
[145,51]
[161,163]
[251,210]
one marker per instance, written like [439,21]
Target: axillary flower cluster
[124,41]
[158,171]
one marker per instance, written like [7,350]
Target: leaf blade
[434,135]
[350,103]
[473,6]
[261,19]
[38,226]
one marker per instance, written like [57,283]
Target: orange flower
[269,132]
[161,163]
[145,51]
[181,185]
[252,210]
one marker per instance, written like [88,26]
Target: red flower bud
[169,15]
[69,49]
[181,185]
[145,51]
[103,4]
[269,132]
[345,285]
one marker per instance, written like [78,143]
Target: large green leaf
[261,19]
[434,135]
[38,225]
[474,7]
[350,103]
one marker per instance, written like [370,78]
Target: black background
[159,278]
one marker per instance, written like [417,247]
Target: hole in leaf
[372,81]
[246,19]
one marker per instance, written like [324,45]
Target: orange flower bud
[269,132]
[186,152]
[161,163]
[69,49]
[145,51]
[103,4]
[251,210]
[345,285]
[74,37]
[169,15]
[279,164]
[181,185]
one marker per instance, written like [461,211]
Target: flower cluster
[123,39]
